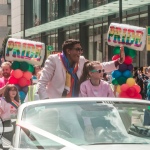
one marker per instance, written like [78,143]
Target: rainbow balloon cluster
[122,78]
[21,75]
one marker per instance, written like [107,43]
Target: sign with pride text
[130,36]
[25,50]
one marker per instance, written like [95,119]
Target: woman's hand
[122,55]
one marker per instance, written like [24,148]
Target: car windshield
[87,123]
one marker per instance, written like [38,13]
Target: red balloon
[27,75]
[23,82]
[115,57]
[137,87]
[124,87]
[131,92]
[123,95]
[138,96]
[128,60]
[28,82]
[17,73]
[12,80]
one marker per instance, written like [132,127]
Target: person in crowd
[37,69]
[91,83]
[32,91]
[9,103]
[105,76]
[1,72]
[141,79]
[6,68]
[148,83]
[148,72]
[2,60]
[61,73]
[8,109]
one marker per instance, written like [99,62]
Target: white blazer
[52,81]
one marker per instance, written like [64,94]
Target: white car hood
[115,147]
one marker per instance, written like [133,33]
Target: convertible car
[83,124]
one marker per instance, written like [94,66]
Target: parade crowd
[67,74]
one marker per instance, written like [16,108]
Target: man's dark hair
[69,44]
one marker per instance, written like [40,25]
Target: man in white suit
[61,72]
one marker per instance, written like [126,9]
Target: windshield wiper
[32,137]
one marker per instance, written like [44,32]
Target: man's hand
[122,55]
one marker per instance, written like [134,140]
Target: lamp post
[24,21]
[120,11]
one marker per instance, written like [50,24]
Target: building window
[9,21]
[8,1]
[52,10]
[37,12]
[72,7]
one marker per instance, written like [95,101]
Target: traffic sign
[49,47]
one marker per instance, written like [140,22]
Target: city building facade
[53,21]
[5,20]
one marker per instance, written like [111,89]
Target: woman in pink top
[91,84]
[9,103]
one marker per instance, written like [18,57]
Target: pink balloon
[12,80]
[137,87]
[115,57]
[17,73]
[124,87]
[23,82]
[27,75]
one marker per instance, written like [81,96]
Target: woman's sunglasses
[99,71]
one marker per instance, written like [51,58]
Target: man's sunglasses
[99,71]
[79,49]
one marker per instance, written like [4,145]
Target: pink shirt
[3,82]
[7,111]
[102,90]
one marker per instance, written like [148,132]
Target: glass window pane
[97,42]
[72,7]
[96,3]
[91,43]
[9,20]
[8,1]
[37,12]
[52,10]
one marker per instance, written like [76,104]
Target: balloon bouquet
[133,38]
[23,54]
